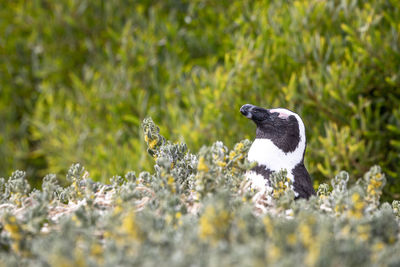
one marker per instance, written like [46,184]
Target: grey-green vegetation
[195,210]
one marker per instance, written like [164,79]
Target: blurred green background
[77,77]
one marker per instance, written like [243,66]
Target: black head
[282,126]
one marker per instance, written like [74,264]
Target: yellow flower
[214,224]
[130,227]
[96,250]
[313,254]
[274,253]
[17,235]
[378,246]
[376,184]
[76,220]
[202,166]
[355,197]
[239,146]
[269,228]
[237,151]
[171,184]
[77,189]
[241,224]
[345,231]
[107,234]
[221,163]
[118,207]
[357,209]
[339,208]
[153,143]
[371,190]
[291,239]
[206,225]
[305,234]
[13,228]
[363,232]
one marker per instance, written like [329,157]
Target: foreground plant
[195,209]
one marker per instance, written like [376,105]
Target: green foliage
[195,209]
[79,76]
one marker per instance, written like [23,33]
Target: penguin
[280,144]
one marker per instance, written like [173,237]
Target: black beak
[245,110]
[255,113]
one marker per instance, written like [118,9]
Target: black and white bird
[280,144]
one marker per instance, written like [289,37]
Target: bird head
[282,126]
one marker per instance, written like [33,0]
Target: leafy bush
[79,76]
[196,210]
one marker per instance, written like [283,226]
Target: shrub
[77,88]
[195,209]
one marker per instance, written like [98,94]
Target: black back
[302,182]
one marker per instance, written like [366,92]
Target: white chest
[264,152]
